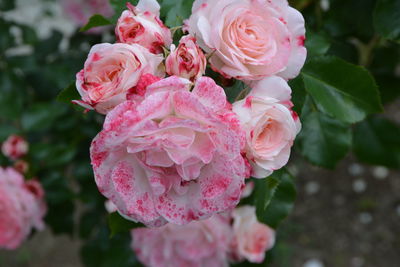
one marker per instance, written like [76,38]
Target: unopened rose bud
[187,60]
[14,147]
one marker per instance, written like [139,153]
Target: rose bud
[111,72]
[142,25]
[187,60]
[14,147]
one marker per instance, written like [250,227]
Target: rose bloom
[199,243]
[81,10]
[142,25]
[21,208]
[251,238]
[15,147]
[111,72]
[186,61]
[250,39]
[270,125]
[174,157]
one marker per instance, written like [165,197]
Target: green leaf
[323,140]
[387,19]
[234,91]
[118,224]
[11,95]
[340,89]
[68,94]
[298,93]
[317,44]
[274,197]
[96,20]
[175,11]
[376,141]
[41,116]
[103,251]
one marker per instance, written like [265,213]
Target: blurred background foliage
[351,76]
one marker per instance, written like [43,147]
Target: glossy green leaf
[118,224]
[376,141]
[387,19]
[274,197]
[96,20]
[175,11]
[317,44]
[323,140]
[68,94]
[298,93]
[341,90]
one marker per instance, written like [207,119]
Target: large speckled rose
[270,125]
[21,208]
[251,39]
[142,25]
[111,72]
[174,157]
[198,244]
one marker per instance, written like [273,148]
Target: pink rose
[21,208]
[202,243]
[251,238]
[186,61]
[112,71]
[174,157]
[81,10]
[251,39]
[270,125]
[142,25]
[15,147]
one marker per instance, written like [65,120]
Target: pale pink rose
[81,10]
[22,208]
[270,125]
[111,72]
[174,157]
[250,39]
[186,61]
[142,25]
[251,238]
[14,147]
[197,244]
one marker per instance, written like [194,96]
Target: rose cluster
[212,242]
[173,150]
